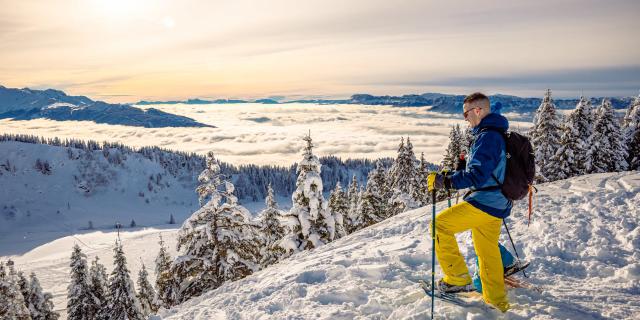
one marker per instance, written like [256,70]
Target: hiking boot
[515,267]
[450,288]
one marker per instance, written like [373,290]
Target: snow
[50,262]
[583,245]
[62,209]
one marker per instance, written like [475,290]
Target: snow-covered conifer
[309,222]
[420,192]
[352,214]
[467,139]
[98,285]
[166,288]
[455,147]
[372,208]
[146,293]
[12,302]
[545,137]
[573,156]
[218,242]
[610,153]
[79,297]
[271,230]
[122,301]
[402,179]
[631,131]
[40,304]
[23,284]
[339,205]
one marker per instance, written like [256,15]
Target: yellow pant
[485,231]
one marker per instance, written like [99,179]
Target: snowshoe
[515,267]
[449,288]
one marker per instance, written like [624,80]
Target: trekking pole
[513,245]
[433,251]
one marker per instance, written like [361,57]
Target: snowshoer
[481,211]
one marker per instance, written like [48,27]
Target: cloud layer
[348,131]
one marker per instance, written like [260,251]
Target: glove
[436,181]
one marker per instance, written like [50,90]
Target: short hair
[476,97]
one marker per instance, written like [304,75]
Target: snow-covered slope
[583,244]
[78,186]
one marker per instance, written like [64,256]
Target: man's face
[471,113]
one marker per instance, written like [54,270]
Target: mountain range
[26,104]
[447,103]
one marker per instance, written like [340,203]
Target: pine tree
[402,180]
[372,208]
[339,205]
[122,301]
[563,164]
[166,294]
[545,137]
[23,284]
[79,297]
[421,192]
[467,139]
[573,157]
[631,131]
[455,147]
[12,302]
[218,242]
[310,223]
[146,293]
[608,141]
[98,287]
[352,214]
[272,230]
[40,304]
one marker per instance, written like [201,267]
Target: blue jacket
[487,156]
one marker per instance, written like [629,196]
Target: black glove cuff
[447,183]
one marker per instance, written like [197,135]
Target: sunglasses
[467,112]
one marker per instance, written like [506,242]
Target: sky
[126,51]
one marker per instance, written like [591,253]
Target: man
[481,211]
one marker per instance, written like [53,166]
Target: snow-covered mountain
[582,243]
[25,104]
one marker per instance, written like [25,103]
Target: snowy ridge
[582,244]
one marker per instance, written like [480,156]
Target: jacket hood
[493,120]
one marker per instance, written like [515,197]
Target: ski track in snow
[582,243]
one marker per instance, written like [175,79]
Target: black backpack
[520,169]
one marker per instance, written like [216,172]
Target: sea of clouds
[251,133]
